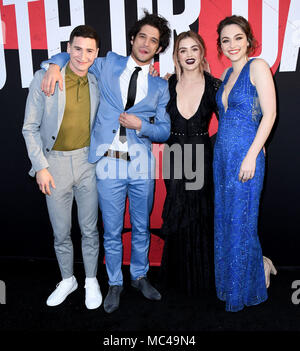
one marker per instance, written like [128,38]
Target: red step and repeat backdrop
[32,30]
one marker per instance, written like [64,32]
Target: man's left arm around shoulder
[159,131]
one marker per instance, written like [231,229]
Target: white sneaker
[93,296]
[63,289]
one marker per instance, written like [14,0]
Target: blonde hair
[198,39]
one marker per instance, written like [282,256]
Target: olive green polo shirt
[74,132]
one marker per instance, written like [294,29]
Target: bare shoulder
[259,65]
[259,69]
[224,73]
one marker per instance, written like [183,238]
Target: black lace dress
[187,261]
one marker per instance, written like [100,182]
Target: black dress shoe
[144,286]
[112,300]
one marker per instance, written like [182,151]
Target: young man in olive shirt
[57,134]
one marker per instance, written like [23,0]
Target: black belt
[117,154]
[190,134]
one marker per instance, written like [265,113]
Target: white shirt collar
[131,64]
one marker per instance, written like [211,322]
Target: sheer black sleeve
[213,86]
[172,90]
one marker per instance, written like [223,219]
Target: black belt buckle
[127,157]
[123,155]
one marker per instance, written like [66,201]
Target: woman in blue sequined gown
[247,109]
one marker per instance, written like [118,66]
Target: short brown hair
[245,27]
[198,39]
[84,31]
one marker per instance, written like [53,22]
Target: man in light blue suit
[132,114]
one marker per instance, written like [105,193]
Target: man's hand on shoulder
[52,76]
[152,71]
[45,180]
[167,76]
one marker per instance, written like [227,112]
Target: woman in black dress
[187,262]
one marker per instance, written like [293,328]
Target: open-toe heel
[269,269]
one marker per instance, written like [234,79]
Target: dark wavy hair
[157,22]
[245,27]
[84,31]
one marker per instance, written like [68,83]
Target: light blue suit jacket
[152,108]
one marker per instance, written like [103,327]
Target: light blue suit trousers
[116,179]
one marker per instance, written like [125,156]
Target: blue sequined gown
[239,269]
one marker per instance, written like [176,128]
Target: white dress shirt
[141,92]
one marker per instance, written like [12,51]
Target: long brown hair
[245,27]
[198,39]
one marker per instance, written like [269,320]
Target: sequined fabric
[239,270]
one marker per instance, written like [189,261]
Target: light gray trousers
[75,177]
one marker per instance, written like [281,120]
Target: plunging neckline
[231,70]
[180,114]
